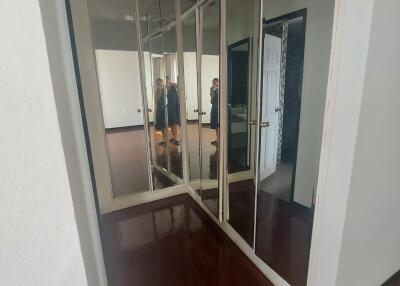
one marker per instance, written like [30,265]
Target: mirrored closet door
[209,104]
[191,88]
[242,32]
[160,73]
[118,74]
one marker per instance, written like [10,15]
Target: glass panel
[167,11]
[210,17]
[172,135]
[186,4]
[288,166]
[242,33]
[192,106]
[150,16]
[155,74]
[119,80]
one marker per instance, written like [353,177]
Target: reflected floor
[283,237]
[241,209]
[172,242]
[161,152]
[279,184]
[284,229]
[128,162]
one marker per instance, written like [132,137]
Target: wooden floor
[284,229]
[127,156]
[172,242]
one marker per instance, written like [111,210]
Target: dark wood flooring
[283,237]
[283,230]
[394,280]
[172,242]
[128,162]
[127,155]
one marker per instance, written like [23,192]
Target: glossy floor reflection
[127,155]
[284,229]
[172,242]
[283,237]
[163,151]
[241,208]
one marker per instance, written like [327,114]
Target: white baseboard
[131,200]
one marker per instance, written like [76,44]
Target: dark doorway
[238,105]
[291,30]
[284,227]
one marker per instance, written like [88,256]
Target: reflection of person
[174,119]
[214,94]
[159,102]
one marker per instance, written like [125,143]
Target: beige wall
[371,238]
[39,236]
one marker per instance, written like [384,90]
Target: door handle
[196,110]
[265,124]
[277,109]
[253,122]
[149,110]
[203,113]
[139,110]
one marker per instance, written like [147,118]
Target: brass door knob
[253,122]
[149,110]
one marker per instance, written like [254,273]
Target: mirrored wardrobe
[221,99]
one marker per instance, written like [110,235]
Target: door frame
[288,16]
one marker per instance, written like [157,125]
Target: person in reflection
[214,95]
[174,119]
[159,103]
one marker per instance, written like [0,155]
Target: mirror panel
[191,96]
[150,16]
[186,4]
[117,61]
[209,107]
[294,82]
[243,26]
[155,73]
[172,134]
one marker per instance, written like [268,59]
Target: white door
[120,88]
[270,101]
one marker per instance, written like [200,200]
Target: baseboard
[124,128]
[131,200]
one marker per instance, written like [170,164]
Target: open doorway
[283,58]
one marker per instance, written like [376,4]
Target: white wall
[120,89]
[39,239]
[371,239]
[315,77]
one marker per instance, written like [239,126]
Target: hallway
[172,242]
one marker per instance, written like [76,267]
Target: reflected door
[270,104]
